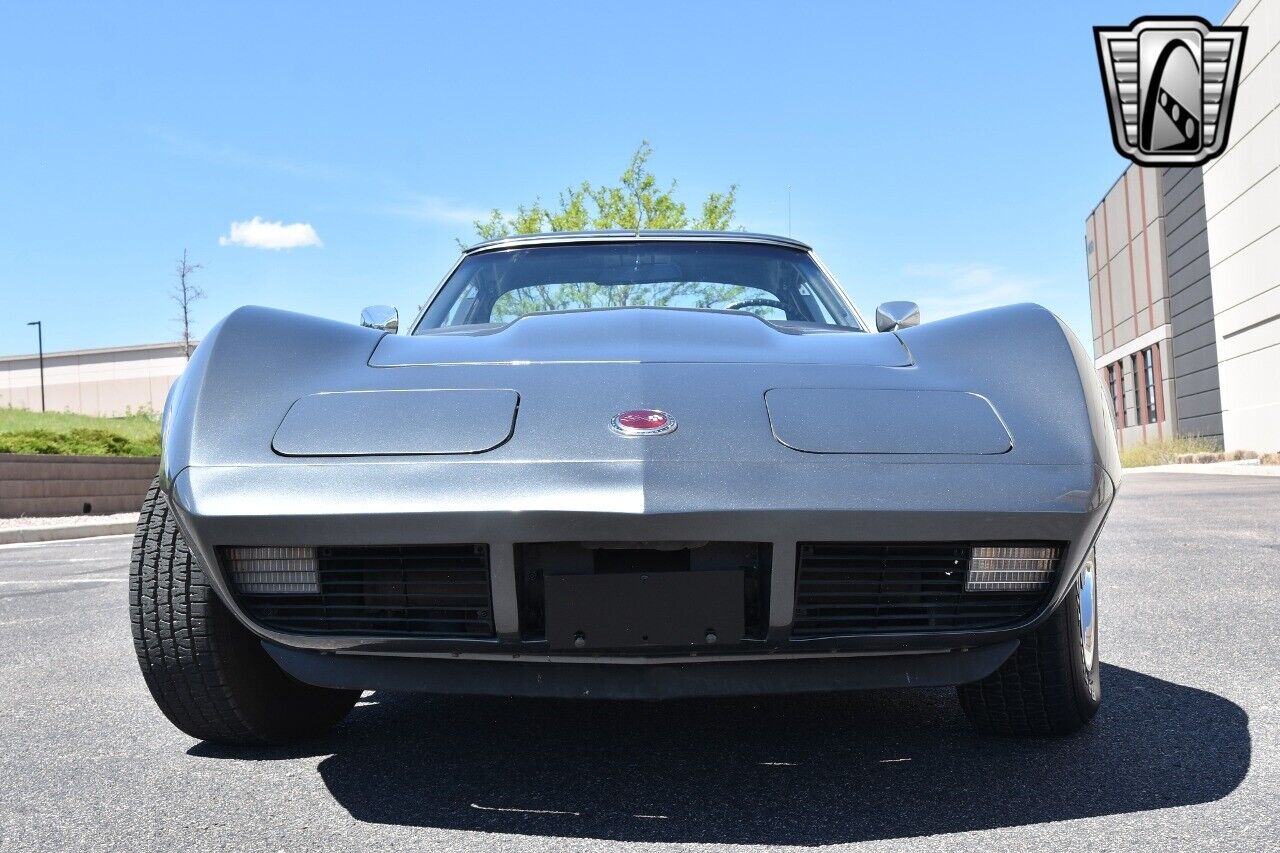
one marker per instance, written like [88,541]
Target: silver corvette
[631,466]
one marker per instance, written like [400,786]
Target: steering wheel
[754,303]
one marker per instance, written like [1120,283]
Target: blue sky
[935,152]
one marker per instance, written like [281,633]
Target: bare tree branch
[185,292]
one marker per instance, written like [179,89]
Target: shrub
[78,442]
[1167,451]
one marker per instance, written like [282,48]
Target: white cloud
[943,290]
[257,234]
[436,209]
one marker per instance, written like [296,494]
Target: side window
[462,308]
[815,306]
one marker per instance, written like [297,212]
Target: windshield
[775,283]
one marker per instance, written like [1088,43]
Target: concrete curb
[69,531]
[1243,468]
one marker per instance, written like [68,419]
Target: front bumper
[642,679]
[421,500]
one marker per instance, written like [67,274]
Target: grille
[394,591]
[889,588]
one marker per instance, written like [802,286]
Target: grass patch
[66,434]
[1165,451]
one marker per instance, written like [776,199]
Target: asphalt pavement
[1185,753]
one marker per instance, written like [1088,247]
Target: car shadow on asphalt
[782,770]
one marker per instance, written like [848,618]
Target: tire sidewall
[1086,681]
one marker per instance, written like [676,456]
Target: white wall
[105,382]
[1242,205]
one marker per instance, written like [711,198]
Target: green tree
[637,202]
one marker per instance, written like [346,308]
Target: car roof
[563,237]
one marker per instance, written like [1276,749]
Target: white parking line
[11,545]
[523,811]
[56,581]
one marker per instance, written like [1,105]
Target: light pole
[40,341]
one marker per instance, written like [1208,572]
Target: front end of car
[826,512]
[346,589]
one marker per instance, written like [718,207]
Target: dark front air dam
[619,679]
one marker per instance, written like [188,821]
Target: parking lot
[1183,754]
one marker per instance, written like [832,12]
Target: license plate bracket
[644,610]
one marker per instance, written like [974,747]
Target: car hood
[268,387]
[641,335]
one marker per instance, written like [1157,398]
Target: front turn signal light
[1010,568]
[273,570]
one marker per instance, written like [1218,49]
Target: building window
[1148,366]
[1111,384]
[1131,409]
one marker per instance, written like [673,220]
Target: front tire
[1051,685]
[207,672]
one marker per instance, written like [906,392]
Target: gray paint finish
[1176,186]
[1202,405]
[1197,401]
[1196,382]
[565,476]
[1182,212]
[1183,232]
[639,334]
[1201,360]
[1194,248]
[832,420]
[389,423]
[1203,425]
[1191,338]
[1193,286]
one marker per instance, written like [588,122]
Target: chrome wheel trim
[1087,593]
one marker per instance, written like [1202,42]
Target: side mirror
[384,318]
[897,315]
